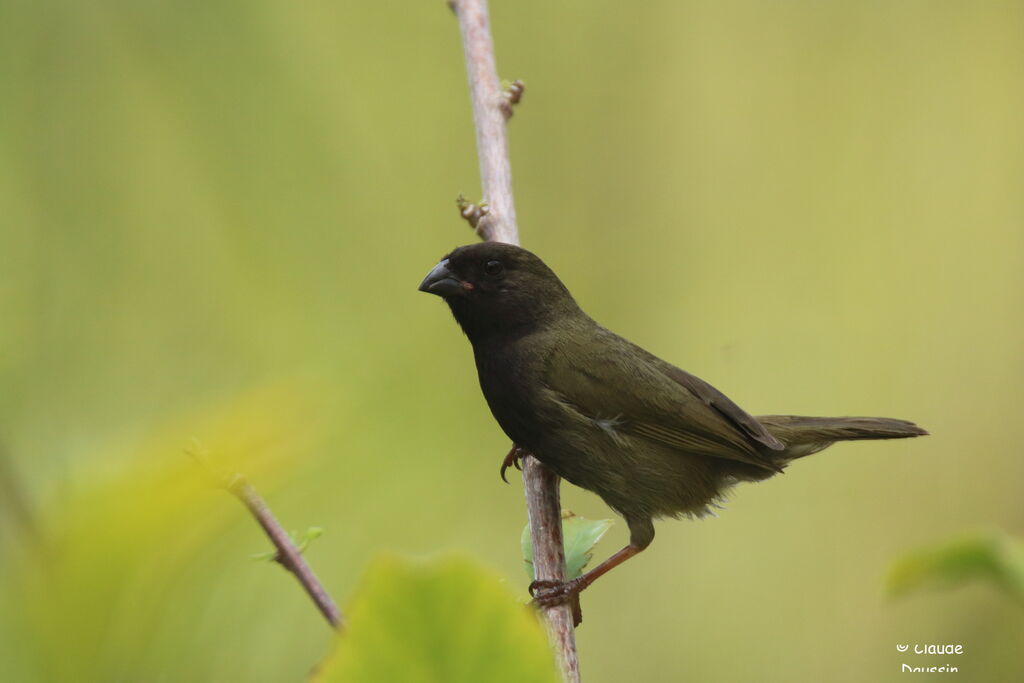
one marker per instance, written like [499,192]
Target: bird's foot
[512,459]
[552,593]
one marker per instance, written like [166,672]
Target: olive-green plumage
[650,439]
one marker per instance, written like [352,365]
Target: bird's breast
[510,381]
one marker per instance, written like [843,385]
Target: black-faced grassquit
[649,438]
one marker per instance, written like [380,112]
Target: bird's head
[495,288]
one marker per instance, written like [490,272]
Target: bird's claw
[512,459]
[552,593]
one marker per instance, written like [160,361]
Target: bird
[652,440]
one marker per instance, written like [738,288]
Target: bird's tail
[806,435]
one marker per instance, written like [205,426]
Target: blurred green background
[213,218]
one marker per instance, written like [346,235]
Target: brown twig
[491,108]
[543,507]
[489,102]
[287,555]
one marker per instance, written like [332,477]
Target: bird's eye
[493,268]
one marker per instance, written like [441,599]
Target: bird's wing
[721,403]
[621,386]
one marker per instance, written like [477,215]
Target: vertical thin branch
[491,108]
[540,485]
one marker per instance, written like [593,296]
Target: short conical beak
[442,281]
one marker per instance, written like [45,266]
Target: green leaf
[308,536]
[993,556]
[447,621]
[579,535]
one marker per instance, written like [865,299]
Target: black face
[494,287]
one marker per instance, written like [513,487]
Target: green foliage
[814,205]
[579,535]
[108,570]
[994,556]
[448,621]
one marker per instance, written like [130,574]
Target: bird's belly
[635,477]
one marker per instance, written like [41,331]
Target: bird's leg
[549,593]
[513,458]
